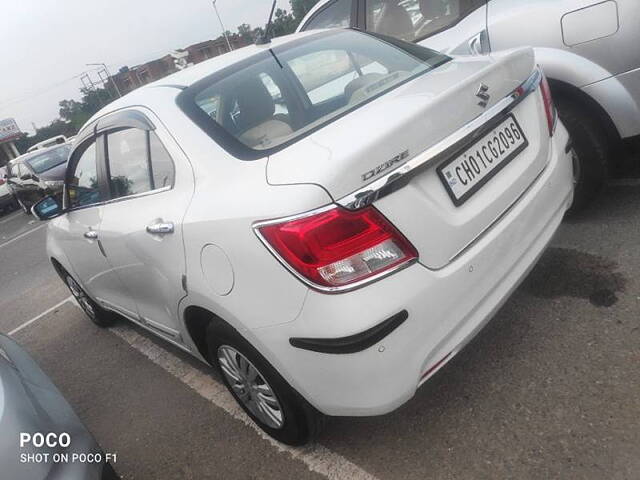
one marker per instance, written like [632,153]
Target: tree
[78,112]
[283,23]
[300,8]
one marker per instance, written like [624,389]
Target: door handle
[160,228]
[91,234]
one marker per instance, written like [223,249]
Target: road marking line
[22,235]
[11,216]
[316,457]
[38,317]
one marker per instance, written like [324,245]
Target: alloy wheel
[81,297]
[250,387]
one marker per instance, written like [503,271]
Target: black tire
[591,149]
[98,315]
[301,421]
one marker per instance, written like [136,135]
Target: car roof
[187,77]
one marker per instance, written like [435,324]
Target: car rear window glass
[49,159]
[275,98]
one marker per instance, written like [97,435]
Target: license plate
[465,174]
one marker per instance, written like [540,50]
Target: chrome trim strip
[321,288]
[119,199]
[390,181]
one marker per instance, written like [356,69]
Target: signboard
[9,130]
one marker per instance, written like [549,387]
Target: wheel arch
[197,320]
[562,90]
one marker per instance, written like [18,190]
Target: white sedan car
[327,219]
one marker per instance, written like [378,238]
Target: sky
[46,44]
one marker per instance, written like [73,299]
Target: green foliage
[300,8]
[78,112]
[283,23]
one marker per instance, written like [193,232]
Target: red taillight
[336,248]
[549,106]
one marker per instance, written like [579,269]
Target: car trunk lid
[354,151]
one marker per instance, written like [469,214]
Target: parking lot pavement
[549,389]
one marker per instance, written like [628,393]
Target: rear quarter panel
[513,23]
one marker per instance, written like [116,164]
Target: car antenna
[265,39]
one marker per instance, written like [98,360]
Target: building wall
[135,77]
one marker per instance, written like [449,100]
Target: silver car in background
[589,49]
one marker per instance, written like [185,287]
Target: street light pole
[224,32]
[103,65]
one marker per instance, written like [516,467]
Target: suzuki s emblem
[483,95]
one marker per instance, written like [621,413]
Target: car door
[141,225]
[28,185]
[78,229]
[449,26]
[16,182]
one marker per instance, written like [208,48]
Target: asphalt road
[549,389]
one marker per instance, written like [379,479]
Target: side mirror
[48,208]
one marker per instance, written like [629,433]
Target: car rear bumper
[446,308]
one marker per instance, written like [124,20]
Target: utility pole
[224,32]
[108,74]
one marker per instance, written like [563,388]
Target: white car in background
[589,49]
[328,218]
[49,142]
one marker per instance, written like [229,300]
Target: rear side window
[137,163]
[129,172]
[275,98]
[336,14]
[161,163]
[414,20]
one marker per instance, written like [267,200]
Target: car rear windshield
[49,159]
[275,98]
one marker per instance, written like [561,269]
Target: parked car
[588,49]
[328,220]
[32,406]
[49,142]
[7,200]
[35,175]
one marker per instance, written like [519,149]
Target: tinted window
[83,187]
[413,20]
[161,163]
[49,159]
[129,171]
[338,71]
[338,14]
